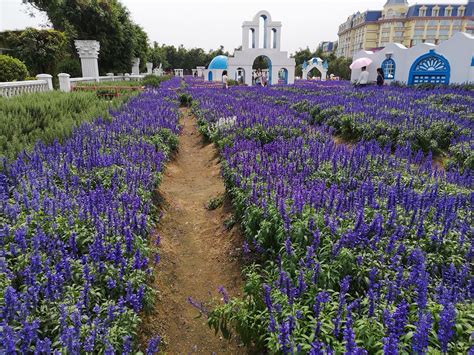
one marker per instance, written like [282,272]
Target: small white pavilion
[280,65]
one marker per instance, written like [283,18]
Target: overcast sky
[210,23]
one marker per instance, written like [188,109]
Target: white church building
[450,62]
[280,65]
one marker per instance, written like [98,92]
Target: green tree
[42,50]
[157,55]
[340,67]
[106,21]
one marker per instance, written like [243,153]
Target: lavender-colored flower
[153,345]
[420,338]
[446,325]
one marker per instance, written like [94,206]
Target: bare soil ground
[198,254]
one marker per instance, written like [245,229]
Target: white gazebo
[240,65]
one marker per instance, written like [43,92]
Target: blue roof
[219,62]
[373,15]
[414,11]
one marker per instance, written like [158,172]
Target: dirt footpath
[198,255]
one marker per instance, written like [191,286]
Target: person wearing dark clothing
[380,77]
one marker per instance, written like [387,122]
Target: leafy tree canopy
[106,21]
[40,50]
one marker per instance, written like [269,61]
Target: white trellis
[317,63]
[179,73]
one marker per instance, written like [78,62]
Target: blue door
[209,76]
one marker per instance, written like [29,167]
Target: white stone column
[64,82]
[257,37]
[304,75]
[267,37]
[278,37]
[291,74]
[48,78]
[149,68]
[89,53]
[248,75]
[136,66]
[245,37]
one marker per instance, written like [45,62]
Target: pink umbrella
[361,62]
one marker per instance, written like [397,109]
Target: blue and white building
[261,37]
[399,22]
[450,62]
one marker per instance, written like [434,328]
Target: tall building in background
[327,47]
[409,25]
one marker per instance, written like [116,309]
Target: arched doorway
[240,75]
[430,68]
[317,63]
[209,76]
[283,75]
[315,73]
[262,70]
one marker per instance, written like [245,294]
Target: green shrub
[185,100]
[151,80]
[215,203]
[231,82]
[12,69]
[46,116]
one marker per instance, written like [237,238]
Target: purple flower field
[360,248]
[356,206]
[76,216]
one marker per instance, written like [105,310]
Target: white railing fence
[43,83]
[66,83]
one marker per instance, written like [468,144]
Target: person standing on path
[225,79]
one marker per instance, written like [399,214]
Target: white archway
[270,47]
[315,63]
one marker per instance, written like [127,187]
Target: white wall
[245,60]
[458,51]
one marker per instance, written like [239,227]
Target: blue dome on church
[219,62]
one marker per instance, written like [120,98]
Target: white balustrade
[14,88]
[66,83]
